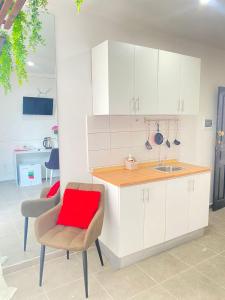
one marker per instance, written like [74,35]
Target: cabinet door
[190,84]
[146,80]
[199,201]
[169,82]
[177,207]
[155,218]
[121,79]
[131,219]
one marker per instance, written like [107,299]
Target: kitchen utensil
[158,136]
[148,146]
[176,141]
[168,131]
[47,143]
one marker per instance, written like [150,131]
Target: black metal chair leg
[68,254]
[99,251]
[85,269]
[25,233]
[42,260]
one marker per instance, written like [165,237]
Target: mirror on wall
[29,160]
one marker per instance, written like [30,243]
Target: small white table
[34,156]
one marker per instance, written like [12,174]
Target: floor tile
[162,267]
[26,282]
[213,241]
[75,290]
[191,285]
[94,264]
[125,283]
[192,253]
[60,271]
[155,293]
[214,268]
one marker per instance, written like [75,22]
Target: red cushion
[79,208]
[53,190]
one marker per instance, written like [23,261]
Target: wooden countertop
[119,176]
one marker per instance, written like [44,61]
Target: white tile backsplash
[112,138]
[99,141]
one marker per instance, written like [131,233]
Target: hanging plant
[19,34]
[34,23]
[6,62]
[25,35]
[78,4]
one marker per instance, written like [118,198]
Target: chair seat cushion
[53,190]
[79,208]
[64,237]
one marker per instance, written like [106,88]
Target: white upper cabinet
[190,85]
[121,78]
[146,80]
[169,82]
[136,80]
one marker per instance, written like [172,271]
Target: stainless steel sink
[168,169]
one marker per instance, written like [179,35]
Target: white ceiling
[183,18]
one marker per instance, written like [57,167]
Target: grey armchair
[68,238]
[35,208]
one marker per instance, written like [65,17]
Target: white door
[121,79]
[169,82]
[190,84]
[199,201]
[131,219]
[177,207]
[155,209]
[146,80]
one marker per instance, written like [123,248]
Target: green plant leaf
[19,35]
[78,4]
[6,67]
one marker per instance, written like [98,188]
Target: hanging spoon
[168,131]
[148,146]
[176,141]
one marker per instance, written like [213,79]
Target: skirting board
[121,262]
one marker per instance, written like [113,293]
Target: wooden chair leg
[25,233]
[68,254]
[42,261]
[99,251]
[85,269]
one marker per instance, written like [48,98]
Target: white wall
[16,129]
[76,35]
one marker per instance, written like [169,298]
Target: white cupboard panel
[146,80]
[121,78]
[154,226]
[177,207]
[169,82]
[199,201]
[131,219]
[190,84]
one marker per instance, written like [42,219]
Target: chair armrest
[44,192]
[94,229]
[46,221]
[34,208]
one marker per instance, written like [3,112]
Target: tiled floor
[12,222]
[193,271]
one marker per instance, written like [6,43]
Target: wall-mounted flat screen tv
[37,106]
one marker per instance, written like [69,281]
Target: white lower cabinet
[154,214]
[141,216]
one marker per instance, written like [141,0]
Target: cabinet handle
[148,196]
[193,185]
[138,101]
[132,105]
[182,108]
[178,106]
[143,195]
